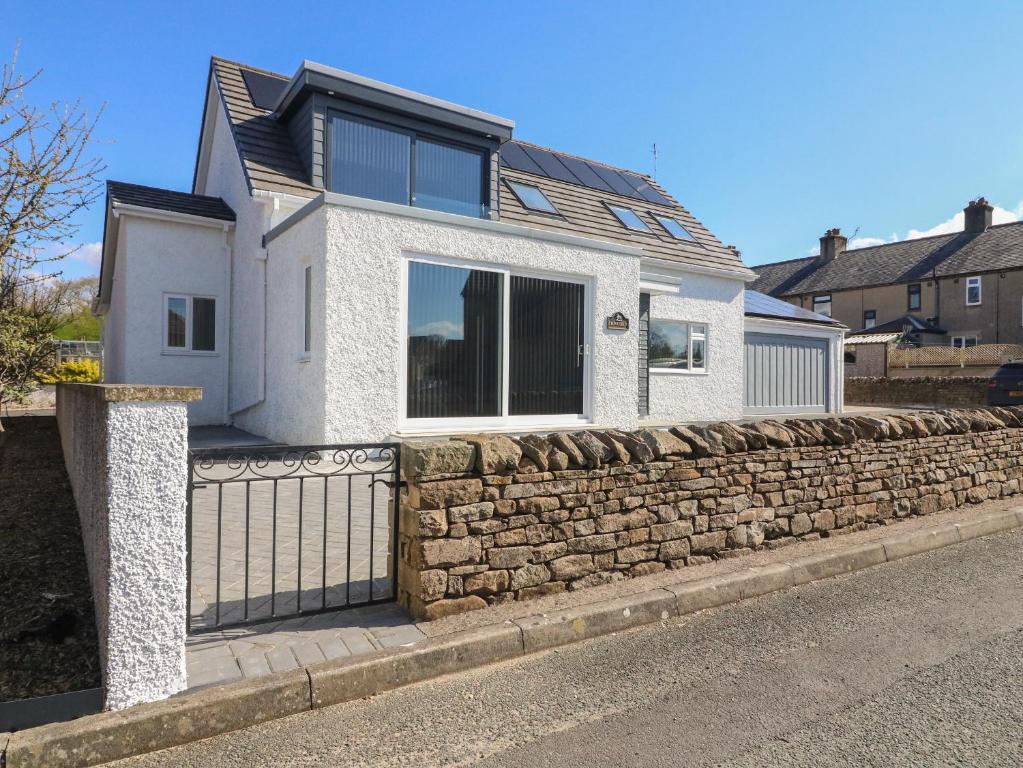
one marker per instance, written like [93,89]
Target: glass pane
[699,350]
[308,308]
[545,347]
[369,161]
[204,325]
[669,344]
[628,217]
[531,197]
[675,229]
[454,342]
[176,323]
[449,179]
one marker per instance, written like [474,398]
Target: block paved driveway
[310,542]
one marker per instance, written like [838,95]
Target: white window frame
[691,335]
[307,314]
[962,341]
[974,281]
[408,425]
[813,303]
[187,349]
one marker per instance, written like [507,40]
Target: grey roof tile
[960,253]
[169,200]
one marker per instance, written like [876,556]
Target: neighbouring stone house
[966,286]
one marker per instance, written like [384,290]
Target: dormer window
[629,218]
[394,165]
[532,197]
[674,228]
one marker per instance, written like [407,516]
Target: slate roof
[271,163]
[959,253]
[168,200]
[761,305]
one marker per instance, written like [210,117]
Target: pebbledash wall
[351,386]
[950,391]
[490,519]
[125,451]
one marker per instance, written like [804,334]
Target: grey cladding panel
[644,366]
[785,374]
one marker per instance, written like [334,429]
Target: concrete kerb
[114,735]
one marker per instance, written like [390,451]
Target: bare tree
[46,178]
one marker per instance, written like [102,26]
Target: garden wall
[125,449]
[947,391]
[490,518]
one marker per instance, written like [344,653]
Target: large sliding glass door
[487,344]
[546,347]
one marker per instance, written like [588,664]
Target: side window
[307,328]
[677,346]
[190,324]
[869,318]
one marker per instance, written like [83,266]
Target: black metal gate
[275,533]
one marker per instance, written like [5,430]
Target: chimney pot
[832,244]
[978,215]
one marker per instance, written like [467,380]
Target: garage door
[786,374]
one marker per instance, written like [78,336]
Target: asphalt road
[918,662]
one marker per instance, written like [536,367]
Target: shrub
[78,371]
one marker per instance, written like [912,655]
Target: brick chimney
[978,215]
[832,244]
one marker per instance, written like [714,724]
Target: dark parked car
[1006,386]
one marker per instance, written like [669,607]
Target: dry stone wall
[949,391]
[488,519]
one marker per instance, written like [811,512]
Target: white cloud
[866,242]
[89,253]
[444,328]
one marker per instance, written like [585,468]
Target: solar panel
[555,165]
[760,304]
[646,191]
[264,90]
[551,166]
[585,174]
[615,180]
[513,156]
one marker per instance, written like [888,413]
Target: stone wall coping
[134,393]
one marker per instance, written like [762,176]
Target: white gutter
[120,209]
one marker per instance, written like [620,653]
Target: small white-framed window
[189,323]
[307,313]
[677,347]
[973,291]
[822,304]
[964,341]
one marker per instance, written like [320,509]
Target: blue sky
[773,121]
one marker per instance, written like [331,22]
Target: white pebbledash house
[357,261]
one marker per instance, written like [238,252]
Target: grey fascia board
[356,87]
[450,219]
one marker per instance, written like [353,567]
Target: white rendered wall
[365,340]
[127,465]
[295,408]
[717,394]
[156,258]
[255,215]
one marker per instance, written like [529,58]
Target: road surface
[917,662]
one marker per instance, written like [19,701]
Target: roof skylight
[629,218]
[532,197]
[674,228]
